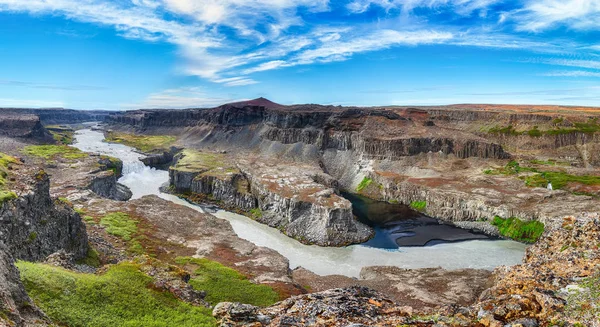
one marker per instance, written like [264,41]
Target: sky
[129,54]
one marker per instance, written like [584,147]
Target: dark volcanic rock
[26,126]
[336,307]
[105,184]
[61,116]
[34,226]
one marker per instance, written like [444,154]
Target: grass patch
[583,303]
[211,164]
[519,230]
[61,134]
[144,143]
[419,205]
[364,184]
[54,151]
[256,213]
[119,224]
[5,162]
[225,284]
[120,297]
[92,258]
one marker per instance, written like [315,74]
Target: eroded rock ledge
[290,198]
[33,226]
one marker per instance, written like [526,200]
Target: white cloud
[590,64]
[573,73]
[461,7]
[540,15]
[28,103]
[185,97]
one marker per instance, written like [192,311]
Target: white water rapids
[346,261]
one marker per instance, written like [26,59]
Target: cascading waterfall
[346,261]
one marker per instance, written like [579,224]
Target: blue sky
[127,54]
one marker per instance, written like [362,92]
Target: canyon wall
[33,226]
[53,116]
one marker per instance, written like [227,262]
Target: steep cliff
[23,126]
[294,200]
[52,116]
[33,226]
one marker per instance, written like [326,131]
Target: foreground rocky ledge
[555,286]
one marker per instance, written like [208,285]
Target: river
[348,261]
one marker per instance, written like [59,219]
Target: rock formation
[32,227]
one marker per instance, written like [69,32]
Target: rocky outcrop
[53,116]
[161,161]
[105,184]
[323,127]
[354,306]
[23,126]
[292,199]
[34,225]
[16,308]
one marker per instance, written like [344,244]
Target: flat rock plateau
[499,170]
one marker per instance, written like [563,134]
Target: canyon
[287,167]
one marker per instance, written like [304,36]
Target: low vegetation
[5,162]
[144,143]
[419,205]
[62,134]
[519,230]
[583,302]
[560,180]
[209,162]
[364,184]
[119,224]
[590,127]
[123,226]
[256,213]
[120,297]
[535,177]
[54,151]
[225,284]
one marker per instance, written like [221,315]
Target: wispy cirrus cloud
[540,15]
[572,73]
[462,7]
[227,41]
[51,86]
[178,98]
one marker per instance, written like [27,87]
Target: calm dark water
[397,225]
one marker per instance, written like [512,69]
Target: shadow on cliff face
[398,225]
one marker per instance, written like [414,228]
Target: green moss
[7,195]
[65,201]
[364,184]
[508,130]
[61,134]
[225,284]
[89,219]
[6,162]
[212,164]
[54,151]
[119,224]
[32,237]
[519,230]
[583,303]
[535,132]
[121,297]
[393,201]
[256,213]
[419,205]
[92,258]
[144,143]
[560,180]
